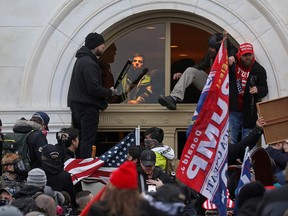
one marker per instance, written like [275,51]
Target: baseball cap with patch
[148,158]
[43,117]
[7,190]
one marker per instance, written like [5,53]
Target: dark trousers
[85,118]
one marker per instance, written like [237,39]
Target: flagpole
[137,135]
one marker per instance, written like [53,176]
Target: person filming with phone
[151,177]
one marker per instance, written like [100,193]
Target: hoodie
[163,153]
[86,81]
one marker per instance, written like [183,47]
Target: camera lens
[3,202]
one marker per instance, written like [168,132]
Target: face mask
[150,143]
[45,132]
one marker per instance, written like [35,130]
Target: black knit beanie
[93,40]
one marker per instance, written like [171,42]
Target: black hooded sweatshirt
[86,81]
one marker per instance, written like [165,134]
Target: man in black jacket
[36,138]
[86,95]
[248,84]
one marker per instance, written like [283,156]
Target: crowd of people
[33,180]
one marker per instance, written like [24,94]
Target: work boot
[168,101]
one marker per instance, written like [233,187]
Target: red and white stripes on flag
[208,205]
[94,167]
[82,168]
[203,164]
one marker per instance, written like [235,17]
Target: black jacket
[249,117]
[58,179]
[86,81]
[280,158]
[237,151]
[274,202]
[157,173]
[35,140]
[209,58]
[28,190]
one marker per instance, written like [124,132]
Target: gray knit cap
[37,177]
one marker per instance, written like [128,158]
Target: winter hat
[168,199]
[37,177]
[10,210]
[44,118]
[168,193]
[93,40]
[148,158]
[245,48]
[214,40]
[125,177]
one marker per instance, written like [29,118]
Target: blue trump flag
[203,163]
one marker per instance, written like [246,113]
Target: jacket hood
[28,190]
[25,126]
[51,167]
[84,51]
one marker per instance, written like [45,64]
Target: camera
[20,169]
[63,138]
[4,202]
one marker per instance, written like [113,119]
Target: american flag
[101,167]
[245,176]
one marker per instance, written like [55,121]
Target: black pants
[85,117]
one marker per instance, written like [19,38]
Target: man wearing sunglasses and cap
[150,176]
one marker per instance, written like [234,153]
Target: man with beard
[248,84]
[197,74]
[86,95]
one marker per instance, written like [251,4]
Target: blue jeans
[236,130]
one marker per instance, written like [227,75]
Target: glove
[114,91]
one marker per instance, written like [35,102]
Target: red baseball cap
[245,48]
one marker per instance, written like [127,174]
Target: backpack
[17,143]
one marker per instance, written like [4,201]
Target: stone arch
[46,76]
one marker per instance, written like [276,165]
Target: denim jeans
[236,130]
